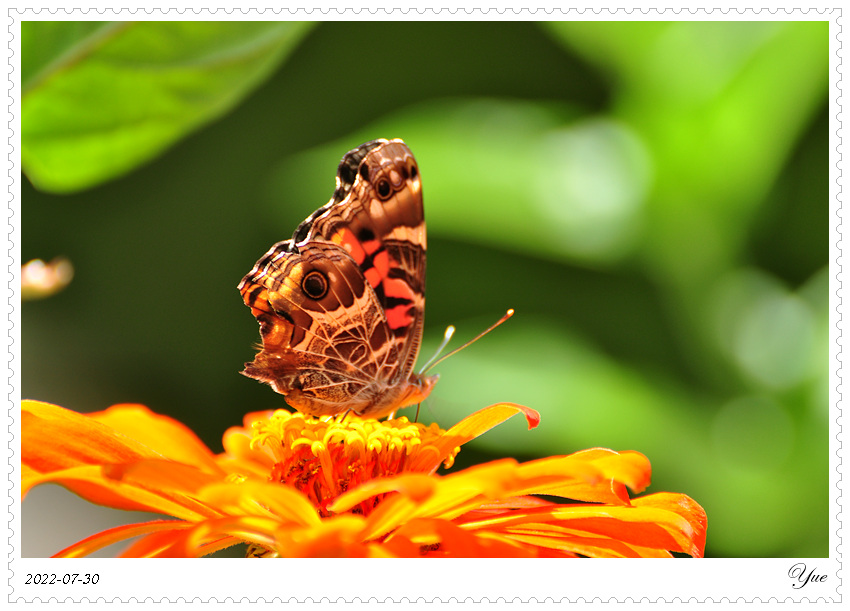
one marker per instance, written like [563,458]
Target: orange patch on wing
[371,246]
[394,287]
[382,263]
[373,277]
[399,316]
[346,238]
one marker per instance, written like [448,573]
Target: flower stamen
[325,457]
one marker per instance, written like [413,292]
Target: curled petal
[695,521]
[255,529]
[669,523]
[647,526]
[433,494]
[471,427]
[416,486]
[595,476]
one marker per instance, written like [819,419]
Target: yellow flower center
[325,457]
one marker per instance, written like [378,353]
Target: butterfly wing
[341,305]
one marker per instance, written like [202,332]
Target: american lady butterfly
[341,304]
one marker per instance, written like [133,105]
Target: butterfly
[341,305]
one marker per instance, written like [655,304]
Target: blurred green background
[652,198]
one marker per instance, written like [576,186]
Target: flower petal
[336,537]
[428,491]
[689,510]
[597,475]
[668,523]
[106,466]
[162,434]
[592,547]
[647,526]
[339,537]
[446,539]
[158,486]
[201,539]
[469,428]
[119,533]
[284,503]
[239,455]
[586,477]
[171,544]
[519,502]
[54,438]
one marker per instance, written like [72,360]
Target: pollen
[324,457]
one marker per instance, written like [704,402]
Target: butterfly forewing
[381,223]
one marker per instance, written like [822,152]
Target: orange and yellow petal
[472,500]
[598,475]
[54,438]
[240,454]
[587,475]
[337,537]
[151,485]
[441,538]
[108,467]
[171,544]
[167,437]
[283,504]
[443,449]
[89,545]
[340,536]
[664,523]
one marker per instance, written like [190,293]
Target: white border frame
[478,580]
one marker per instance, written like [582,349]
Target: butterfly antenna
[429,365]
[450,330]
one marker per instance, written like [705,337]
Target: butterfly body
[341,304]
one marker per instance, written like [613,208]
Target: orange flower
[293,485]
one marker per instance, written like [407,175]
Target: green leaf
[100,99]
